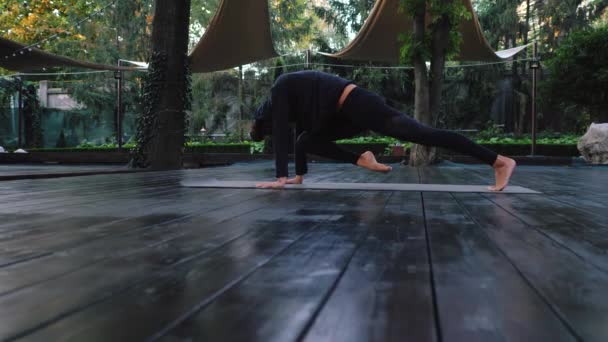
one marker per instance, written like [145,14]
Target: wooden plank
[152,304]
[151,308]
[69,233]
[572,287]
[480,295]
[121,245]
[78,290]
[582,231]
[250,277]
[385,293]
[278,301]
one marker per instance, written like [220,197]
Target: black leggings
[364,110]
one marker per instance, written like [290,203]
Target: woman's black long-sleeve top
[310,100]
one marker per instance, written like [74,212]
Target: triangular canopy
[30,59]
[239,33]
[378,38]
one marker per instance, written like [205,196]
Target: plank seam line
[557,242]
[8,229]
[573,206]
[26,259]
[436,314]
[184,217]
[210,299]
[176,236]
[90,197]
[62,175]
[336,281]
[542,297]
[549,198]
[201,305]
[549,237]
[111,294]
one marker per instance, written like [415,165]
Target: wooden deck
[131,257]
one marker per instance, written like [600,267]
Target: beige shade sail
[238,34]
[31,59]
[378,39]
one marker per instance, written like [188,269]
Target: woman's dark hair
[262,125]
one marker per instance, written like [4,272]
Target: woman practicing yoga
[325,108]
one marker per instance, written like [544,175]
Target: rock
[2,150]
[20,151]
[594,144]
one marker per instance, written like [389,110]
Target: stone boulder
[594,144]
[2,150]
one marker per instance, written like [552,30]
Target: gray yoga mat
[361,186]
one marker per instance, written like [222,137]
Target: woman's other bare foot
[503,169]
[368,161]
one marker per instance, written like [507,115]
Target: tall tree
[578,73]
[437,42]
[160,136]
[347,16]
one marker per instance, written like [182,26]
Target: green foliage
[291,24]
[491,131]
[563,140]
[279,68]
[370,140]
[61,142]
[453,11]
[85,148]
[346,15]
[256,147]
[578,72]
[147,123]
[32,116]
[500,21]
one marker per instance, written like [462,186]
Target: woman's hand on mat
[280,183]
[296,180]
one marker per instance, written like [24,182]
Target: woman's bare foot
[503,169]
[296,180]
[368,161]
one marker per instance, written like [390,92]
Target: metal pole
[308,57]
[119,75]
[20,113]
[241,101]
[534,75]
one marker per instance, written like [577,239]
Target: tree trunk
[169,65]
[419,155]
[428,92]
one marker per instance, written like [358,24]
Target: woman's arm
[280,134]
[280,128]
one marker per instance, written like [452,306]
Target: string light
[38,44]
